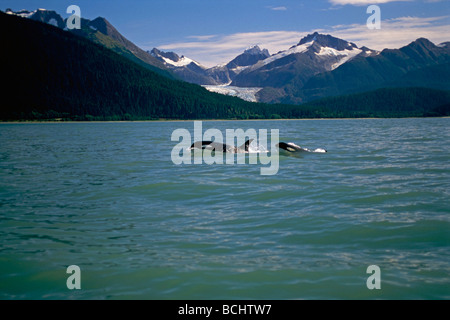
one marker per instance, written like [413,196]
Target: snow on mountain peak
[22,13]
[184,61]
[256,50]
[293,50]
[343,55]
[327,41]
[172,58]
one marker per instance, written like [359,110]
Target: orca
[216,146]
[293,148]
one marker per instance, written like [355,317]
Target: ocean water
[108,198]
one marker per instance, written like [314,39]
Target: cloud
[203,37]
[211,50]
[395,33]
[278,8]
[361,2]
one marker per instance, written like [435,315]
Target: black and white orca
[216,146]
[293,148]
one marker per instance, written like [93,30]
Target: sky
[215,31]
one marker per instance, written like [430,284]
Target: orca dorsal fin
[246,145]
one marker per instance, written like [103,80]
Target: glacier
[245,93]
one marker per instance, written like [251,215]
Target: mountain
[256,69]
[322,65]
[245,60]
[224,74]
[99,31]
[250,57]
[317,66]
[192,71]
[314,54]
[42,15]
[419,64]
[51,73]
[185,68]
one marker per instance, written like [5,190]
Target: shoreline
[204,120]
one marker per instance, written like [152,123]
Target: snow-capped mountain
[185,68]
[171,58]
[246,60]
[418,64]
[250,57]
[317,66]
[42,15]
[191,71]
[255,68]
[315,53]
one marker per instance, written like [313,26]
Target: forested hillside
[51,73]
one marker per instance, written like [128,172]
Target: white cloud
[395,33]
[278,8]
[362,2]
[203,37]
[211,50]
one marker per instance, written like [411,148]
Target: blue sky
[213,32]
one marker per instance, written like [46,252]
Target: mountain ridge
[319,65]
[419,64]
[194,72]
[100,31]
[57,75]
[315,68]
[54,74]
[245,69]
[390,68]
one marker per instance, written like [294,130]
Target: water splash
[254,147]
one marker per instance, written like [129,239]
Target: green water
[108,198]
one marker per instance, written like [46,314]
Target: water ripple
[107,197]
